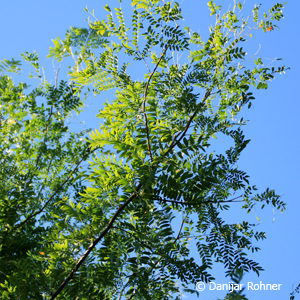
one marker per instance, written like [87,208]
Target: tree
[108,229]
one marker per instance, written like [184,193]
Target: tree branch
[144,103]
[95,242]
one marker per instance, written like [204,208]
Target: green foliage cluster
[39,168]
[107,229]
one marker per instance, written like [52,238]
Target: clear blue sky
[271,159]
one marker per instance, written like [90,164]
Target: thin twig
[123,289]
[176,239]
[133,294]
[198,203]
[181,134]
[46,136]
[52,196]
[174,242]
[159,260]
[96,241]
[44,183]
[179,232]
[56,76]
[146,64]
[144,102]
[135,237]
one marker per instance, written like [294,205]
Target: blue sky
[271,159]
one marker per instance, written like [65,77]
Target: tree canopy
[112,213]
